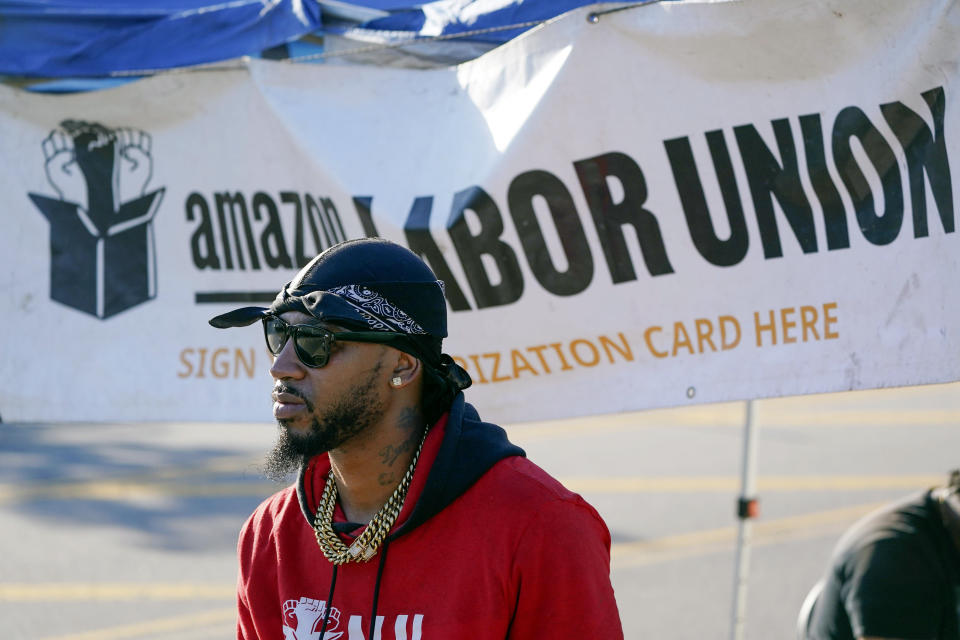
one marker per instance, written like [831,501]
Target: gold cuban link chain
[365,546]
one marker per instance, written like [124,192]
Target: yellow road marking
[125,490]
[72,591]
[151,627]
[630,554]
[733,415]
[698,484]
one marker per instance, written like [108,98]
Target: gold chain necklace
[366,544]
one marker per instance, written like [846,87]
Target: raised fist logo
[101,236]
[97,168]
[303,618]
[136,165]
[63,172]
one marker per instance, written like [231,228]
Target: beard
[353,413]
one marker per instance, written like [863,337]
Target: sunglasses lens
[313,349]
[275,331]
[311,343]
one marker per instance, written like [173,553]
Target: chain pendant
[365,546]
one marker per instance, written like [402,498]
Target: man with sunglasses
[411,519]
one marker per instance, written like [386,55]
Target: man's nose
[286,364]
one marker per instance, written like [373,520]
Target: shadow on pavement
[173,493]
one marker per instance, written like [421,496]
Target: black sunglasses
[312,343]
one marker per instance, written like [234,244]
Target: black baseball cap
[368,284]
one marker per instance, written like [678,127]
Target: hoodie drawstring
[376,593]
[329,607]
[376,587]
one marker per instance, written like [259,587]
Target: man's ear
[406,370]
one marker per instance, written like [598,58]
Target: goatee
[353,413]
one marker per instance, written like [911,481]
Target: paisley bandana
[377,310]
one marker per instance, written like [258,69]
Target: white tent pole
[746,510]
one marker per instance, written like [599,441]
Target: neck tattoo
[367,543]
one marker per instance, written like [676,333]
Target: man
[411,519]
[896,573]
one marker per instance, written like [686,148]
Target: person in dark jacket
[896,573]
[411,519]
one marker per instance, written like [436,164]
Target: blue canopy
[111,38]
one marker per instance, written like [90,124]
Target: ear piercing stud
[396,381]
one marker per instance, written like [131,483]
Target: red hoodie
[488,546]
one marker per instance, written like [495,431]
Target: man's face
[318,410]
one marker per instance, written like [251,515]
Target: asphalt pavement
[127,531]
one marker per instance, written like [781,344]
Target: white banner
[674,203]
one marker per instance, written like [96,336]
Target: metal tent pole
[746,511]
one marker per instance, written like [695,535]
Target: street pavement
[128,531]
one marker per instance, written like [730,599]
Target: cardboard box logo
[102,248]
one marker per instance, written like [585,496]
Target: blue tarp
[99,38]
[57,38]
[449,17]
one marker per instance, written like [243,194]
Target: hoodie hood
[470,447]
